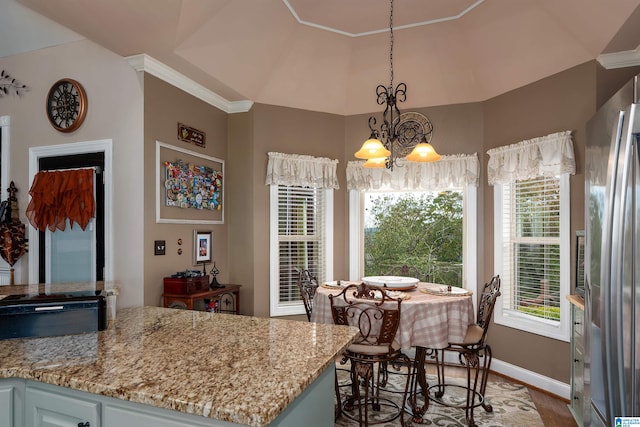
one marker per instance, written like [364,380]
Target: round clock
[66,105]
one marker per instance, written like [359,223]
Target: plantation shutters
[532,233]
[301,225]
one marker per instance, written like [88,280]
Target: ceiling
[329,55]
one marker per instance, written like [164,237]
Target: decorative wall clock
[66,105]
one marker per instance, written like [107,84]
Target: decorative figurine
[13,241]
[214,280]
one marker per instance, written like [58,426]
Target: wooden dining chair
[377,316]
[307,285]
[474,354]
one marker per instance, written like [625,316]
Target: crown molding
[148,64]
[626,58]
[294,13]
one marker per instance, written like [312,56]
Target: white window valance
[549,155]
[301,170]
[450,172]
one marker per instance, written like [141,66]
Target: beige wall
[114,112]
[284,130]
[561,102]
[164,107]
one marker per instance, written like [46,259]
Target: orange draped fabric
[60,195]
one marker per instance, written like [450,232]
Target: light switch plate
[159,247]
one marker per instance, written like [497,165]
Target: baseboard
[531,378]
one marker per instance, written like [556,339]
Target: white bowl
[391,281]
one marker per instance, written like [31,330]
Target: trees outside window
[420,230]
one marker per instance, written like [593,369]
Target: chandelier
[399,135]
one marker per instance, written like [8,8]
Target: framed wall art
[189,186]
[202,247]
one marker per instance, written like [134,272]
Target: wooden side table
[228,299]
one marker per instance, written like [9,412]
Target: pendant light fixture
[399,135]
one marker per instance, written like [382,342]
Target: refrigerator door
[604,134]
[619,279]
[614,354]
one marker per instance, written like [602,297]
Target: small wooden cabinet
[577,404]
[225,300]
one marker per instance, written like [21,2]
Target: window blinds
[300,236]
[531,227]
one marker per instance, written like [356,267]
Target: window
[455,177]
[301,236]
[532,240]
[300,225]
[422,230]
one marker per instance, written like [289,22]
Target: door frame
[104,146]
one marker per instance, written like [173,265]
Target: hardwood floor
[553,411]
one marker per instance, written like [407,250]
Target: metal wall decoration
[10,85]
[13,241]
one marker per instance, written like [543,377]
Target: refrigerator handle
[609,228]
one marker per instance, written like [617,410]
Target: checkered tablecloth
[426,320]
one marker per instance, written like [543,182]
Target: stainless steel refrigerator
[612,263]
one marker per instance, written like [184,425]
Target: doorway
[75,255]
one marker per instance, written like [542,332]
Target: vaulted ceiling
[329,55]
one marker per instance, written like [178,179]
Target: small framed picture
[202,247]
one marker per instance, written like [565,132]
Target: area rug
[511,402]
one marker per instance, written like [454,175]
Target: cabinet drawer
[46,408]
[578,322]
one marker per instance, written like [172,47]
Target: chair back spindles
[488,297]
[307,285]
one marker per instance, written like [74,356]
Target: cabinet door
[6,406]
[44,408]
[11,403]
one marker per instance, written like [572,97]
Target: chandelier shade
[372,149]
[398,133]
[424,152]
[379,162]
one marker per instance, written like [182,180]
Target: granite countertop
[100,288]
[240,369]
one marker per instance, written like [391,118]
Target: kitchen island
[182,367]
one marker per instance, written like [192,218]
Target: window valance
[450,172]
[301,170]
[60,195]
[549,155]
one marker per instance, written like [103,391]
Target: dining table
[432,315]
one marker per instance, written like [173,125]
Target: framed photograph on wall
[189,186]
[202,247]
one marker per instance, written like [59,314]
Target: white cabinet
[49,407]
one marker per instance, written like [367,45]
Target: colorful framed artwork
[189,186]
[202,247]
